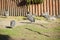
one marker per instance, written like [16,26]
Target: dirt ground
[39,23]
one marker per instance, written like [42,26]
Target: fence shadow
[2,17]
[37,32]
[26,22]
[41,25]
[5,37]
[35,24]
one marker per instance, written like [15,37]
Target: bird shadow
[5,37]
[37,32]
[8,27]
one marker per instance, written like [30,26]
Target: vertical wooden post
[58,7]
[44,6]
[47,5]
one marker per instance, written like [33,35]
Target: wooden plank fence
[51,6]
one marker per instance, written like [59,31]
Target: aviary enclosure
[51,6]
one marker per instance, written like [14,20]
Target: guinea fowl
[30,17]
